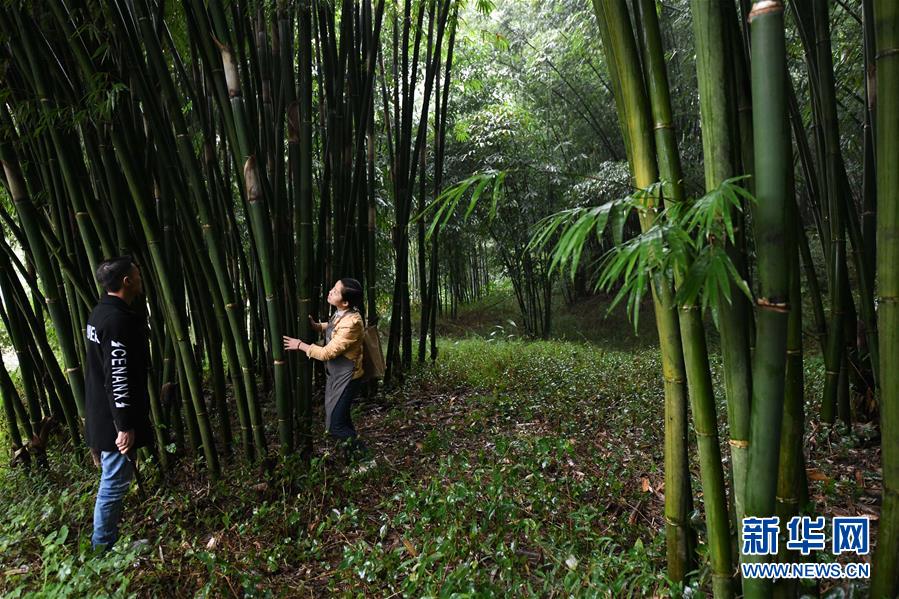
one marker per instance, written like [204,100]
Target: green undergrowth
[507,468]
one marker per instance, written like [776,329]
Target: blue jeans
[115,479]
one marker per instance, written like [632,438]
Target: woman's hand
[292,344]
[314,324]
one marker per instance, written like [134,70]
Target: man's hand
[125,441]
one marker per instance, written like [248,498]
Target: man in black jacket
[117,406]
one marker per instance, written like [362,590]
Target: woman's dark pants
[342,422]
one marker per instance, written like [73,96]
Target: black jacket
[118,357]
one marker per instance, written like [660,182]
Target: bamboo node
[887,300]
[707,435]
[787,500]
[280,362]
[738,443]
[231,306]
[71,370]
[660,126]
[831,372]
[794,352]
[765,7]
[207,227]
[80,214]
[767,304]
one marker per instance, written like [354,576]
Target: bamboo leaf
[474,197]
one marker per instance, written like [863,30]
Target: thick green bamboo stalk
[678,498]
[721,152]
[772,163]
[620,48]
[885,583]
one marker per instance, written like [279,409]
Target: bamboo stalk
[721,152]
[28,216]
[174,312]
[771,227]
[884,582]
[620,49]
[692,331]
[792,486]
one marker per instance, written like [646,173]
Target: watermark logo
[851,535]
[760,535]
[805,535]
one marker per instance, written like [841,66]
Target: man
[117,405]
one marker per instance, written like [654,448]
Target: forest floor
[509,467]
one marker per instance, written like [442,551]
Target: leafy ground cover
[509,467]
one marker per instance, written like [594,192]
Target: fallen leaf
[815,474]
[647,488]
[211,543]
[410,548]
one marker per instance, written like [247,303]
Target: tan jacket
[346,341]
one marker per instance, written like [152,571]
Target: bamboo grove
[240,152]
[752,125]
[250,153]
[747,238]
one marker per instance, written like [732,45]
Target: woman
[342,355]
